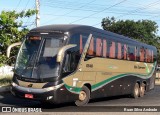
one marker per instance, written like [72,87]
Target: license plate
[29,96]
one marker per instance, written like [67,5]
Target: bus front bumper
[55,94]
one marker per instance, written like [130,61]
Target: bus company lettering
[139,67]
[89,65]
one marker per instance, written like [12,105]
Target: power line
[139,11]
[144,7]
[27,4]
[72,4]
[75,10]
[30,25]
[18,4]
[25,9]
[65,6]
[136,10]
[78,16]
[67,3]
[91,10]
[154,16]
[98,12]
[30,18]
[123,13]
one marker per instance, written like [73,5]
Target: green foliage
[11,32]
[142,30]
[5,80]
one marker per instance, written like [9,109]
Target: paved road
[118,103]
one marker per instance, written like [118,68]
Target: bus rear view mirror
[11,46]
[62,50]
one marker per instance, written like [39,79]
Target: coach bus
[66,63]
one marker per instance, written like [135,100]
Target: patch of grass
[5,80]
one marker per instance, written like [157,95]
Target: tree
[142,30]
[11,32]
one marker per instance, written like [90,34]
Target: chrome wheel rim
[136,91]
[142,90]
[82,96]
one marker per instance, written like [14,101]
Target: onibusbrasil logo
[17,109]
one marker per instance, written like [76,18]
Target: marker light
[34,38]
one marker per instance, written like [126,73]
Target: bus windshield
[37,57]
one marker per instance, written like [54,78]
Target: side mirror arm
[11,46]
[61,52]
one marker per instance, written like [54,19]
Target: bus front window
[47,65]
[37,57]
[27,56]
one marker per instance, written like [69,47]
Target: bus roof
[61,27]
[85,28]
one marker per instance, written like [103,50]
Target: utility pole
[38,13]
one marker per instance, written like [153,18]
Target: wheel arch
[139,83]
[145,84]
[88,85]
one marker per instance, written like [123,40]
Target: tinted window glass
[79,40]
[112,50]
[119,51]
[131,53]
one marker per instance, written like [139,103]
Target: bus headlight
[49,88]
[14,84]
[53,87]
[49,97]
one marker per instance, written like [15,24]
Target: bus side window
[112,50]
[119,51]
[72,55]
[142,54]
[104,48]
[82,42]
[98,47]
[71,60]
[131,53]
[66,67]
[122,51]
[125,51]
[149,55]
[108,48]
[135,52]
[152,56]
[146,55]
[91,47]
[79,40]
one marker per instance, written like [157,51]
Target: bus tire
[84,96]
[142,90]
[136,92]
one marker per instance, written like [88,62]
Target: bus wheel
[136,91]
[142,90]
[84,96]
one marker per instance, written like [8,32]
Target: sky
[86,12]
